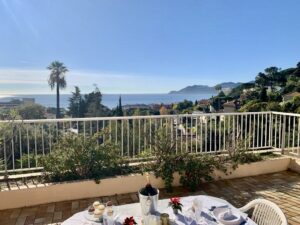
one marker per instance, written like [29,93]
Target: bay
[111,100]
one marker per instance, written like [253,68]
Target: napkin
[227,215]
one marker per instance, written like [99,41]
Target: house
[229,107]
[290,96]
[204,103]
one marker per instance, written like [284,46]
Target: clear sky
[136,46]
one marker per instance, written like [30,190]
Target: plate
[91,217]
[236,216]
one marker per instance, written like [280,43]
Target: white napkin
[227,215]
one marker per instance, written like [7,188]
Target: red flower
[129,221]
[175,203]
[175,200]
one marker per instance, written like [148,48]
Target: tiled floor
[282,188]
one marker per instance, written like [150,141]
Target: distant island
[200,89]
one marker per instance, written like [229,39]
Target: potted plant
[175,204]
[129,221]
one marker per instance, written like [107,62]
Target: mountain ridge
[199,89]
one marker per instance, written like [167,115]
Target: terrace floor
[282,188]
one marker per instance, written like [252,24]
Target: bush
[32,111]
[32,162]
[77,157]
[197,169]
[239,154]
[167,162]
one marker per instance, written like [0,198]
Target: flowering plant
[129,221]
[175,203]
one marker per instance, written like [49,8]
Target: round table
[135,210]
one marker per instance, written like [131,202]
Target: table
[135,210]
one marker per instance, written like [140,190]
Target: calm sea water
[111,100]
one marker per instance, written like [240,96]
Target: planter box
[257,168]
[118,185]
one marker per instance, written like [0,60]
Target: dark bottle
[148,190]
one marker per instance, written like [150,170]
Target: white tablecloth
[135,210]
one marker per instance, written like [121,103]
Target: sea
[111,100]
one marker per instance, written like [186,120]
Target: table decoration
[129,221]
[148,196]
[175,204]
[164,217]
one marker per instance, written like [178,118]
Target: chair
[265,212]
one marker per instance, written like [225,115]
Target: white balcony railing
[23,141]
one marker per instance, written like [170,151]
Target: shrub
[28,160]
[78,157]
[167,162]
[197,169]
[238,153]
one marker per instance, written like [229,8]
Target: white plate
[92,218]
[217,211]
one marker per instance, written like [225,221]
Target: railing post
[271,130]
[283,135]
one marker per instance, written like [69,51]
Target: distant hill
[230,84]
[200,89]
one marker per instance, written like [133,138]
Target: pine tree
[76,104]
[119,109]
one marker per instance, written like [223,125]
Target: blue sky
[134,46]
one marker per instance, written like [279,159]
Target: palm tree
[57,79]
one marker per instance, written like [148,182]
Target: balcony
[25,141]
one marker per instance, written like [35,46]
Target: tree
[119,109]
[261,79]
[273,74]
[184,105]
[297,71]
[57,79]
[93,105]
[218,87]
[76,104]
[263,94]
[31,111]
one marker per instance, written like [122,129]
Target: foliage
[238,153]
[280,81]
[76,104]
[28,160]
[31,111]
[292,105]
[57,79]
[218,87]
[274,106]
[263,95]
[274,96]
[183,105]
[254,106]
[167,162]
[78,157]
[1,164]
[119,109]
[238,91]
[197,169]
[9,131]
[87,106]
